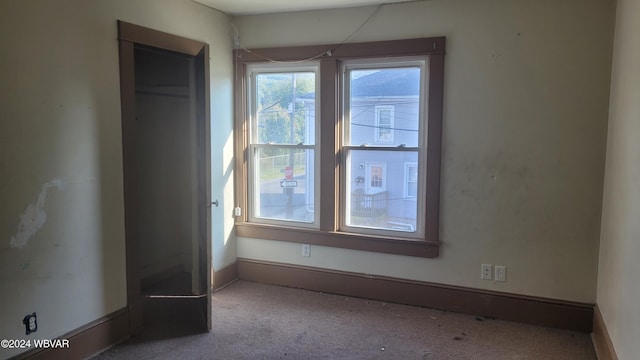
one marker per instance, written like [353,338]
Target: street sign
[288,183]
[288,173]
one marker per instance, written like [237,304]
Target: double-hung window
[282,144]
[383,128]
[339,145]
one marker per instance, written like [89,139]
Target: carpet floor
[257,321]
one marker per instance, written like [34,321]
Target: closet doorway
[166,151]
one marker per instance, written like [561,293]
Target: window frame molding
[330,59]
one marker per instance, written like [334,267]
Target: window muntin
[283,150]
[383,130]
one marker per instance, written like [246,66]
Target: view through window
[383,123]
[283,144]
[341,147]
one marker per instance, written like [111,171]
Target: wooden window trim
[331,123]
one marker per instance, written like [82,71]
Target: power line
[383,127]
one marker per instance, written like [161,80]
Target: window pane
[285,105]
[284,185]
[376,195]
[384,106]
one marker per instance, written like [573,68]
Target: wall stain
[34,216]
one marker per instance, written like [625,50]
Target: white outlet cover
[306,250]
[486,272]
[500,273]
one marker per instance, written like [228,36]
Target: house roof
[388,82]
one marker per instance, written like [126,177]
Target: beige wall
[618,285]
[60,120]
[525,120]
[526,104]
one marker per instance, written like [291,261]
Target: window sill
[386,245]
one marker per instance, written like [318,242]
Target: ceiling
[249,7]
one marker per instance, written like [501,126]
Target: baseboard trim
[225,276]
[600,337]
[87,340]
[526,309]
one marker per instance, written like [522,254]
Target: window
[384,124]
[282,143]
[410,180]
[374,91]
[342,150]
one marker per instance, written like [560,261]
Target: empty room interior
[461,156]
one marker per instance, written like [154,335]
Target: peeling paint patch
[33,217]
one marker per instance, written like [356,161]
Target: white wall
[525,116]
[618,286]
[60,119]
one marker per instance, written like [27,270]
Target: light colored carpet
[257,321]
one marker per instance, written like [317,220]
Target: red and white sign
[288,173]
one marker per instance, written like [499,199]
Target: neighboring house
[384,112]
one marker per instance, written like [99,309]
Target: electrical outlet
[30,323]
[501,273]
[306,250]
[485,271]
[237,211]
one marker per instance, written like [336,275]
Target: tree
[276,100]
